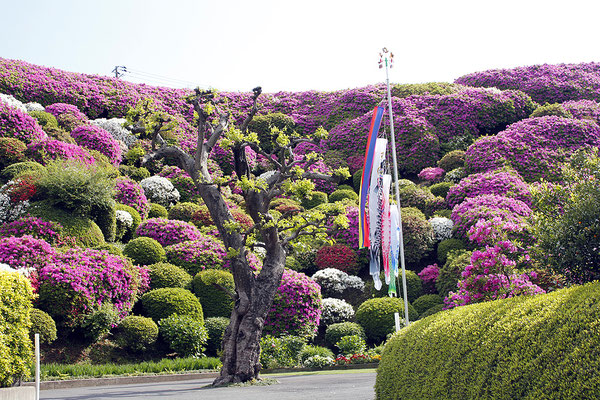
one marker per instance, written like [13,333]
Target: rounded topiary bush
[314,199]
[414,285]
[376,316]
[11,171]
[136,333]
[157,211]
[418,238]
[42,323]
[144,251]
[425,302]
[446,246]
[441,188]
[11,151]
[110,248]
[15,123]
[215,328]
[45,119]
[312,350]
[356,180]
[450,273]
[338,256]
[95,138]
[126,231]
[47,150]
[160,303]
[215,301]
[335,311]
[526,347]
[185,334]
[296,308]
[335,332]
[183,211]
[131,194]
[342,194]
[163,275]
[206,252]
[168,231]
[160,190]
[452,160]
[432,310]
[551,109]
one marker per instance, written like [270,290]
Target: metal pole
[37,366]
[396,186]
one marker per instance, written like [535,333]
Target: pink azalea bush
[431,174]
[48,149]
[95,138]
[17,124]
[33,226]
[168,231]
[58,109]
[25,252]
[130,193]
[338,256]
[296,308]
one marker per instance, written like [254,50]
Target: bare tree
[290,175]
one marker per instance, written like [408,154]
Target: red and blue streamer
[363,224]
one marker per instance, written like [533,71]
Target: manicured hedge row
[530,347]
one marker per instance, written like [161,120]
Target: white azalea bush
[317,362]
[114,126]
[12,102]
[442,228]
[160,190]
[335,310]
[33,106]
[334,282]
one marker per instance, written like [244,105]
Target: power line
[156,78]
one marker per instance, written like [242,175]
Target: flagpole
[388,64]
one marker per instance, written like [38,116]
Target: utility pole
[119,70]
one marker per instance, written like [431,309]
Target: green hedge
[161,303]
[215,302]
[376,316]
[530,347]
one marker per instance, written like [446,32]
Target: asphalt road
[353,386]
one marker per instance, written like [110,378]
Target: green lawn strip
[325,372]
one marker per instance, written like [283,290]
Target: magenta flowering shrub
[544,83]
[431,174]
[583,109]
[429,276]
[95,138]
[490,231]
[130,193]
[205,252]
[350,235]
[47,150]
[58,109]
[505,183]
[79,281]
[25,252]
[487,207]
[338,256]
[296,308]
[33,226]
[17,124]
[224,158]
[168,231]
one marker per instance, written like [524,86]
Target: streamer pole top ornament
[385,59]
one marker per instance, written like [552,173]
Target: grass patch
[54,371]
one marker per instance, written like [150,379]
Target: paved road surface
[348,386]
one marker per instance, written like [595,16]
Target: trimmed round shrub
[446,246]
[296,308]
[215,328]
[412,211]
[183,211]
[376,316]
[338,256]
[335,310]
[201,217]
[418,238]
[356,180]
[206,252]
[314,199]
[144,251]
[543,342]
[337,331]
[136,220]
[185,334]
[11,151]
[47,150]
[285,206]
[342,194]
[334,283]
[441,188]
[131,194]
[452,160]
[136,333]
[137,174]
[157,211]
[442,228]
[45,119]
[425,302]
[42,323]
[215,302]
[58,109]
[432,310]
[33,226]
[352,344]
[345,187]
[312,350]
[15,123]
[415,196]
[168,232]
[163,275]
[450,273]
[13,170]
[551,109]
[25,252]
[160,190]
[414,285]
[95,138]
[161,303]
[110,248]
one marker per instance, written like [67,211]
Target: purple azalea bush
[95,138]
[33,226]
[130,193]
[47,150]
[168,231]
[17,124]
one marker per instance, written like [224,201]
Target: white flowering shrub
[33,106]
[9,210]
[115,127]
[335,310]
[442,228]
[317,362]
[334,282]
[12,102]
[160,190]
[456,175]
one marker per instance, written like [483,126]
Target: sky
[287,45]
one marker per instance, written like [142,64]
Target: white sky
[297,45]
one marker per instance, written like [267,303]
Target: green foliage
[157,211]
[15,169]
[105,217]
[99,322]
[414,286]
[262,125]
[376,316]
[413,211]
[446,246]
[83,230]
[314,199]
[452,160]
[185,334]
[312,350]
[342,194]
[551,109]
[163,275]
[418,238]
[215,327]
[335,332]
[443,213]
[136,333]
[280,352]
[449,274]
[15,347]
[133,156]
[110,248]
[432,88]
[42,323]
[183,211]
[144,251]
[527,347]
[45,119]
[356,180]
[425,302]
[135,173]
[351,344]
[440,189]
[215,302]
[129,232]
[11,151]
[432,310]
[160,303]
